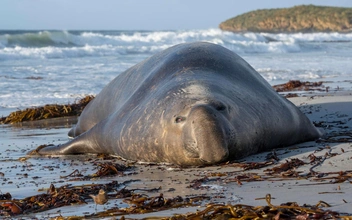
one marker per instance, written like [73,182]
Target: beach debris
[100,199]
[141,204]
[337,137]
[290,210]
[68,195]
[124,193]
[104,169]
[319,160]
[54,198]
[245,177]
[297,85]
[108,169]
[270,159]
[47,111]
[340,177]
[75,173]
[199,183]
[6,196]
[285,167]
[251,165]
[12,207]
[291,95]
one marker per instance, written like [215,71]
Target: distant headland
[302,18]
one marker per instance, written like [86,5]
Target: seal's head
[206,133]
[200,126]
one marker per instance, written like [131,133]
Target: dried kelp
[251,165]
[246,177]
[47,111]
[104,169]
[337,137]
[287,166]
[5,196]
[290,210]
[69,195]
[141,204]
[270,159]
[296,85]
[54,198]
[109,169]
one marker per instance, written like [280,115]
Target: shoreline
[331,111]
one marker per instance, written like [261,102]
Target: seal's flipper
[71,133]
[80,145]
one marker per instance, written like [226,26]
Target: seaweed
[290,210]
[294,85]
[251,165]
[47,111]
[105,169]
[139,203]
[285,167]
[54,198]
[69,195]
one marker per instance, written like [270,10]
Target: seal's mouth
[191,149]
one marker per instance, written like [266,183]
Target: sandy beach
[323,171]
[167,87]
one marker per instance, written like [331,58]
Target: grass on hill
[303,18]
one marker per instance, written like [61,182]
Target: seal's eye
[180,119]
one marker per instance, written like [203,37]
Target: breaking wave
[67,44]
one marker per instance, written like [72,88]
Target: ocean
[47,67]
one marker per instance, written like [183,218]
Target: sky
[133,14]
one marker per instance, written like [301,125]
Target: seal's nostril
[220,107]
[180,119]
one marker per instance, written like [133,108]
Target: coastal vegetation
[302,18]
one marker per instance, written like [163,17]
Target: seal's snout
[209,126]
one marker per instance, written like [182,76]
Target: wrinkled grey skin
[191,104]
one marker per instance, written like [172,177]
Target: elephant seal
[191,104]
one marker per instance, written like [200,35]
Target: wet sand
[222,183]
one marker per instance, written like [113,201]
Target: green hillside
[303,18]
